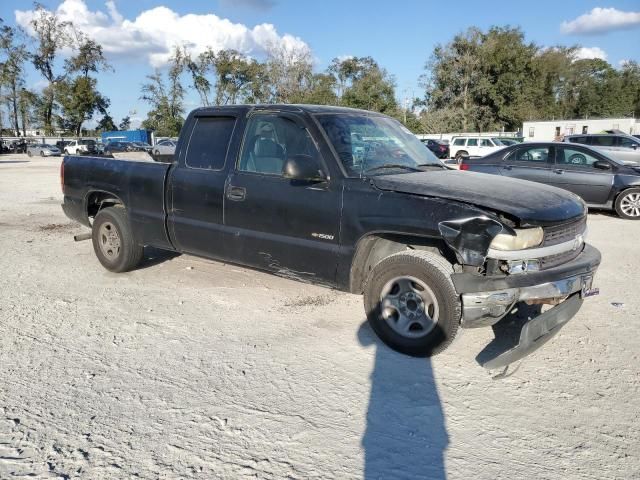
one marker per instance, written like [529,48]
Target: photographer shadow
[406,434]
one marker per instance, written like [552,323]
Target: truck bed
[139,184]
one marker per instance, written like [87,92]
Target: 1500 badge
[323,236]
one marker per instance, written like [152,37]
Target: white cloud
[154,32]
[589,52]
[600,20]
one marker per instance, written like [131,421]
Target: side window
[576,158]
[486,143]
[459,141]
[269,140]
[209,142]
[583,140]
[603,141]
[532,154]
[472,142]
[628,143]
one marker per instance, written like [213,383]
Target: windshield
[375,145]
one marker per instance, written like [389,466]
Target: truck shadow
[155,256]
[406,434]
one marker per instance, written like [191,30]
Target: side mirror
[599,164]
[304,168]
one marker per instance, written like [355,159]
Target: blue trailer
[128,136]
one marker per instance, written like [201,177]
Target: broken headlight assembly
[524,238]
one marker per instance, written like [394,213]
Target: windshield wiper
[392,165]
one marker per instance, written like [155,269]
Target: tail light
[62,176]
[442,148]
[464,166]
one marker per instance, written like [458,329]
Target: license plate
[587,287]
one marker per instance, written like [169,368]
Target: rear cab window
[209,142]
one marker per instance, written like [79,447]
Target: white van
[460,147]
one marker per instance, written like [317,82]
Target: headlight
[524,238]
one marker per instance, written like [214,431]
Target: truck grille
[564,233]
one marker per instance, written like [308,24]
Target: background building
[553,129]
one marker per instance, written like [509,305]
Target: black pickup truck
[351,200]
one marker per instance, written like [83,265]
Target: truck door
[285,226]
[196,187]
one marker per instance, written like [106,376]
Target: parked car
[142,146]
[81,146]
[623,147]
[43,149]
[165,147]
[18,146]
[164,150]
[280,188]
[461,147]
[600,179]
[439,148]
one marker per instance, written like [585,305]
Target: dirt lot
[187,368]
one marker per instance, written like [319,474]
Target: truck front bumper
[486,300]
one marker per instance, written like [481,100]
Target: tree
[167,107]
[125,124]
[78,96]
[13,55]
[79,100]
[362,83]
[289,72]
[52,35]
[106,124]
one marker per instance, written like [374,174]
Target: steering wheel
[578,159]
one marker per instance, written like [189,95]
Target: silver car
[164,147]
[43,150]
[623,147]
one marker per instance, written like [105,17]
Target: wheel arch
[374,247]
[96,200]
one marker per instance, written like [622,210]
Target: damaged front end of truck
[547,270]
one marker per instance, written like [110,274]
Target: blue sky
[399,35]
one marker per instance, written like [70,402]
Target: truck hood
[531,203]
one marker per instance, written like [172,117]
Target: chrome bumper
[487,308]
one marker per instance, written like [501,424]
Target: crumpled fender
[470,237]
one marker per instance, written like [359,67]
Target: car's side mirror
[599,164]
[303,168]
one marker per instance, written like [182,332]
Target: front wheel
[113,241]
[412,304]
[628,204]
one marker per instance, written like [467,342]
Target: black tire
[66,152]
[29,153]
[460,155]
[128,253]
[41,153]
[434,271]
[624,204]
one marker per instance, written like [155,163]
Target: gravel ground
[187,368]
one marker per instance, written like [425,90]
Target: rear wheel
[41,153]
[411,303]
[29,154]
[113,241]
[628,204]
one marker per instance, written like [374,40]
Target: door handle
[559,171]
[237,194]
